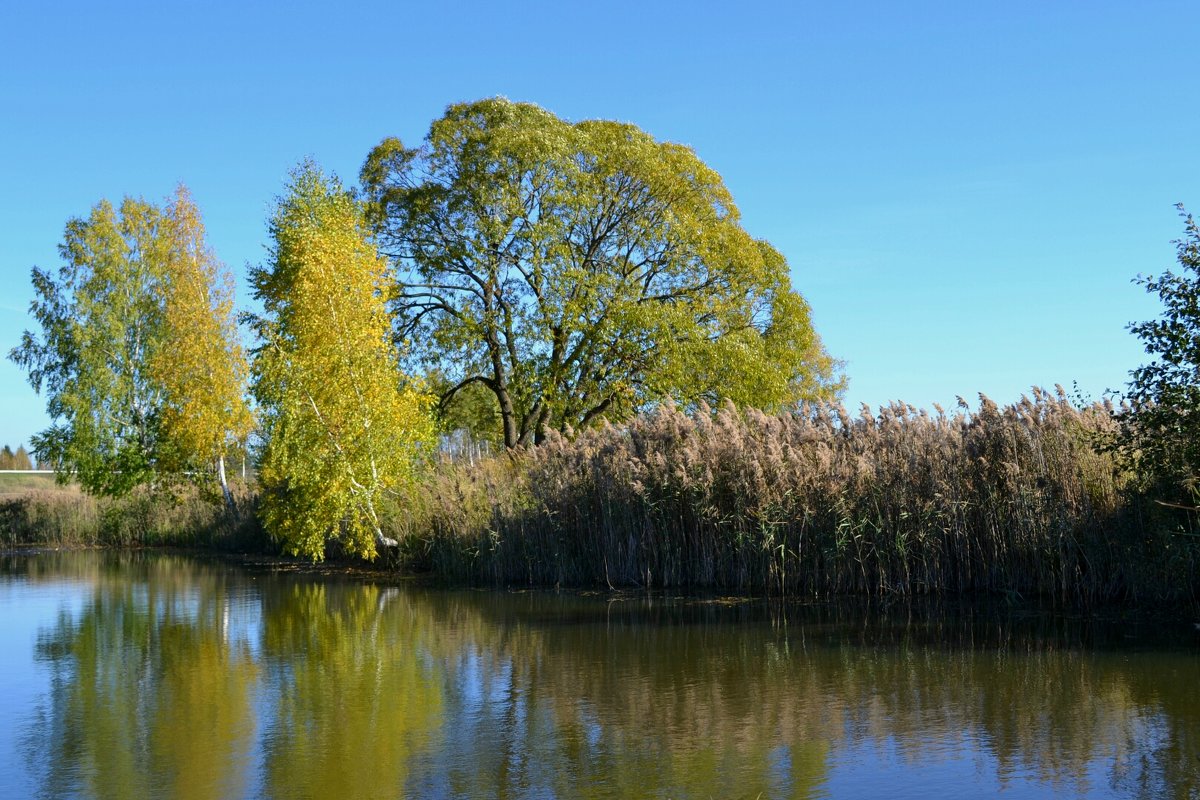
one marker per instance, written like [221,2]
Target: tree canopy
[138,354]
[1162,430]
[200,363]
[342,428]
[582,271]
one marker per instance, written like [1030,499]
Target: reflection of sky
[955,759]
[242,617]
[26,607]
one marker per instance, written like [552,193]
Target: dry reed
[1023,500]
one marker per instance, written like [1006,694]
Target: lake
[145,675]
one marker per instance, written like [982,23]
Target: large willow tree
[582,271]
[138,353]
[342,431]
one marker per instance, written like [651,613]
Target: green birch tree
[100,318]
[136,389]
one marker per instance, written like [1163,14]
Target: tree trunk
[224,483]
[507,416]
[499,386]
[541,426]
[381,541]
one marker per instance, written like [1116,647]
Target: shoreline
[1185,615]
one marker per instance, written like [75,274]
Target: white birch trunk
[224,483]
[380,540]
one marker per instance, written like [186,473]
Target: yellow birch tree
[199,364]
[343,427]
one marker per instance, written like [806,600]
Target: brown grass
[1022,500]
[180,516]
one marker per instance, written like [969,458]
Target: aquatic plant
[1022,499]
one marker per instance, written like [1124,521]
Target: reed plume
[1022,499]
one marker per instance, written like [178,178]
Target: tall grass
[176,517]
[1022,500]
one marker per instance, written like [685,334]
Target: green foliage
[472,408]
[1161,432]
[582,272]
[114,351]
[100,317]
[342,433]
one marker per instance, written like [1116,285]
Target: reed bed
[1024,500]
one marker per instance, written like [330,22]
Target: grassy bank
[16,483]
[1019,500]
[63,516]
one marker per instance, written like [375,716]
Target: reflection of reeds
[1018,499]
[654,697]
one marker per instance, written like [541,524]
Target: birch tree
[199,363]
[343,429]
[137,354]
[100,319]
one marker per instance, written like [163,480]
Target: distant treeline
[18,460]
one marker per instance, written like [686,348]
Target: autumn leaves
[145,375]
[342,426]
[139,354]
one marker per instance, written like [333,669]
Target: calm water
[130,676]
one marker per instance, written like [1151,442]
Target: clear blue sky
[963,190]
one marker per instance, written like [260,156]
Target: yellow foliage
[343,428]
[199,365]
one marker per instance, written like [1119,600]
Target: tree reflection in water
[181,678]
[355,694]
[151,695]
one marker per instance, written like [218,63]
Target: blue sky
[963,190]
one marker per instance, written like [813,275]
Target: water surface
[151,675]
